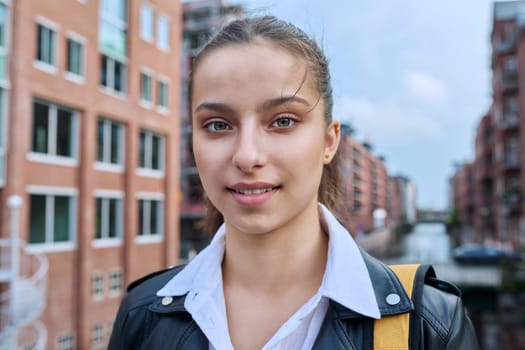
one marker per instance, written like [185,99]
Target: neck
[291,256]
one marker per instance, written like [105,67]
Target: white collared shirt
[346,281]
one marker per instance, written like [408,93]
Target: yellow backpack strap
[392,332]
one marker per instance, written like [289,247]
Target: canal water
[428,243]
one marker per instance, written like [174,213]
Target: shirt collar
[346,279]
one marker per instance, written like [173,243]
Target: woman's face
[259,136]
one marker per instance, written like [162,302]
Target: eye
[217,126]
[284,122]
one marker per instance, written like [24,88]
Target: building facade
[464,198]
[403,209]
[365,184]
[89,139]
[498,212]
[200,20]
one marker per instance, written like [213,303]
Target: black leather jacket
[143,322]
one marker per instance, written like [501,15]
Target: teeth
[254,191]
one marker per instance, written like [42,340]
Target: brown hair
[294,40]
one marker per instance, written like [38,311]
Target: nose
[249,153]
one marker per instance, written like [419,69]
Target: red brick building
[486,208]
[464,195]
[498,214]
[89,140]
[365,183]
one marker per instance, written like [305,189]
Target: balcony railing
[509,81]
[23,295]
[31,281]
[510,122]
[511,201]
[511,163]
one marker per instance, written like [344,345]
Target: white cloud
[387,123]
[424,86]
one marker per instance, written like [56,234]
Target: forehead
[257,63]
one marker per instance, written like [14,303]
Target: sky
[412,77]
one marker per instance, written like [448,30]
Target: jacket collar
[387,287]
[384,280]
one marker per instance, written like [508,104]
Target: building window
[66,341]
[113,44]
[113,74]
[145,88]
[150,217]
[162,94]
[163,32]
[110,142]
[115,282]
[4,15]
[108,218]
[46,45]
[97,337]
[51,219]
[97,285]
[54,130]
[146,22]
[75,57]
[151,151]
[2,135]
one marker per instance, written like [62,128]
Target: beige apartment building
[89,140]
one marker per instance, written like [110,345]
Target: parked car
[482,255]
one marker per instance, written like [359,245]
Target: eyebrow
[275,102]
[272,103]
[214,106]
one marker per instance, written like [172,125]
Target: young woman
[280,272]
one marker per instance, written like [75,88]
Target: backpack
[401,332]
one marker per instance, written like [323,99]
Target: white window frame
[79,39]
[3,136]
[143,235]
[121,25]
[66,341]
[50,192]
[97,286]
[111,77]
[115,282]
[166,81]
[163,46]
[147,34]
[108,166]
[146,73]
[42,65]
[51,157]
[106,241]
[4,51]
[147,170]
[98,340]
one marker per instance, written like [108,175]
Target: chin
[253,228]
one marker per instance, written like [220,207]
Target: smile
[254,191]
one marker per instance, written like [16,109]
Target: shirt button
[393,299]
[166,301]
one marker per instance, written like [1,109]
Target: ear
[333,136]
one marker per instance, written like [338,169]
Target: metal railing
[31,281]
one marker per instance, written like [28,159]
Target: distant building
[89,139]
[404,200]
[498,212]
[486,200]
[464,196]
[200,20]
[365,183]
